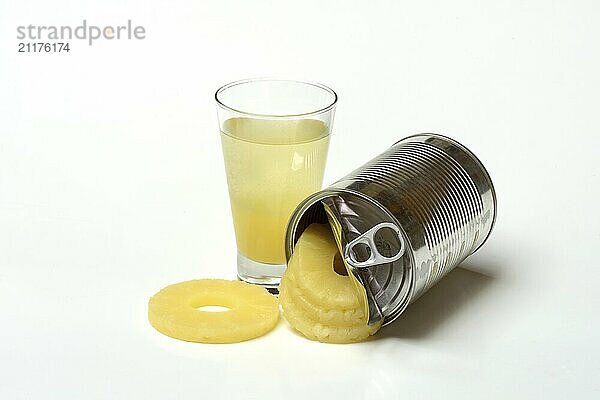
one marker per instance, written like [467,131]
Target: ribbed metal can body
[434,190]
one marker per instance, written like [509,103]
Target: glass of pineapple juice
[275,136]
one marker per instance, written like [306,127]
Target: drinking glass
[275,136]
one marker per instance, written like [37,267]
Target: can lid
[370,248]
[376,252]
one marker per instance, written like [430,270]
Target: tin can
[404,219]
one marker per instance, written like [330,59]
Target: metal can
[404,219]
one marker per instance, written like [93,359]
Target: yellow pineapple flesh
[174,311]
[317,301]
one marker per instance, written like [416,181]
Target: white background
[112,186]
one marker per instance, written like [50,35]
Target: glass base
[257,273]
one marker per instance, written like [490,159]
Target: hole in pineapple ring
[211,308]
[338,265]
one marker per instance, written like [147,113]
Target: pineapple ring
[315,300]
[174,311]
[324,313]
[315,329]
[340,292]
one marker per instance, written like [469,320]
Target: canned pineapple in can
[404,219]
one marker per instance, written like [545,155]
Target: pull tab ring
[368,239]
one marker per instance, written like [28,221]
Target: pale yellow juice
[271,166]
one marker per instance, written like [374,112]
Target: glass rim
[250,80]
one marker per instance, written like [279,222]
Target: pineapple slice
[317,301]
[252,311]
[324,312]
